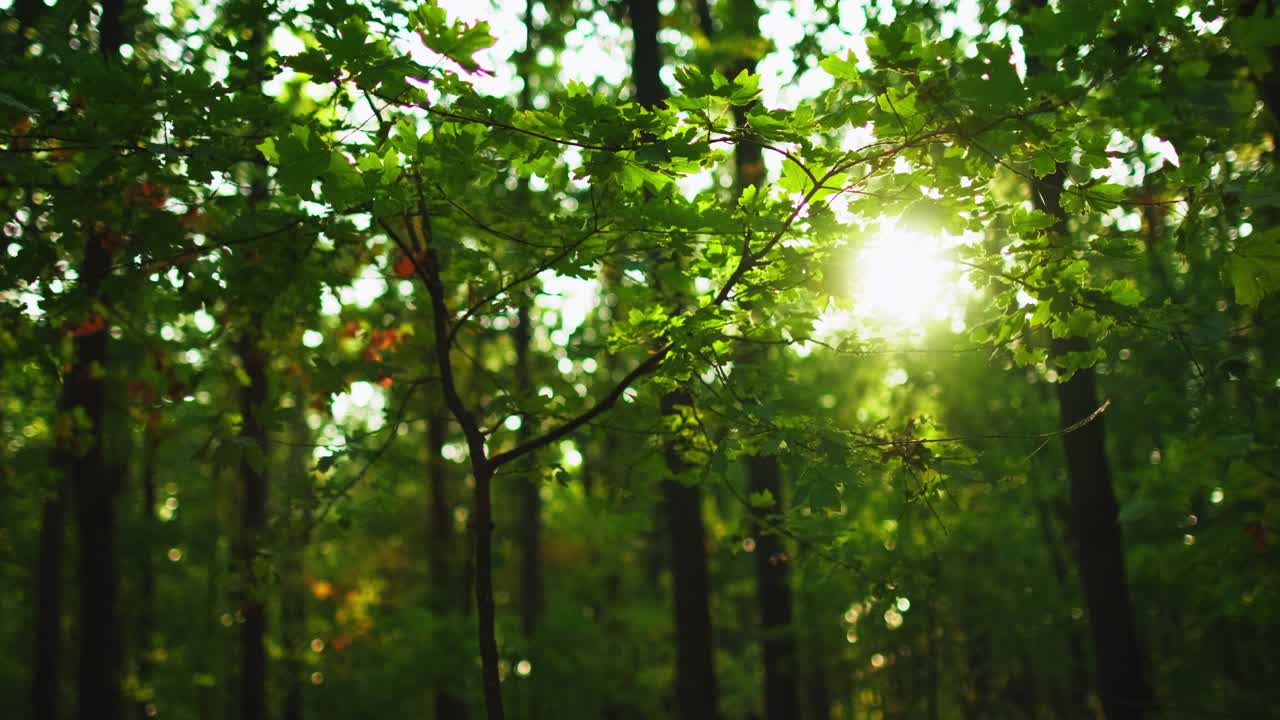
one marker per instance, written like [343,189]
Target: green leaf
[842,68]
[746,88]
[457,41]
[1026,222]
[1124,292]
[1250,279]
[1255,267]
[1041,315]
[1043,165]
[268,149]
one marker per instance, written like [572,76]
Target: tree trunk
[696,695]
[819,691]
[646,61]
[781,695]
[440,553]
[1120,660]
[483,476]
[253,519]
[48,599]
[94,485]
[774,595]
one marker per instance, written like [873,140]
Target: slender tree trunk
[781,693]
[819,690]
[26,12]
[646,61]
[1120,660]
[481,472]
[483,476]
[111,28]
[696,694]
[774,595]
[253,520]
[444,580]
[48,600]
[95,485]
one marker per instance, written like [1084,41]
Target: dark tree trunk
[696,694]
[1120,660]
[27,13]
[48,598]
[253,520]
[485,612]
[781,694]
[445,580]
[111,28]
[646,60]
[819,690]
[774,595]
[94,485]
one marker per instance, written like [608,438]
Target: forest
[631,359]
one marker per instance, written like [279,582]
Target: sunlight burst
[905,279]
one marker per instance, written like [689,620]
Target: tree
[317,216]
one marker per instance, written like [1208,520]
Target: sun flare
[905,279]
